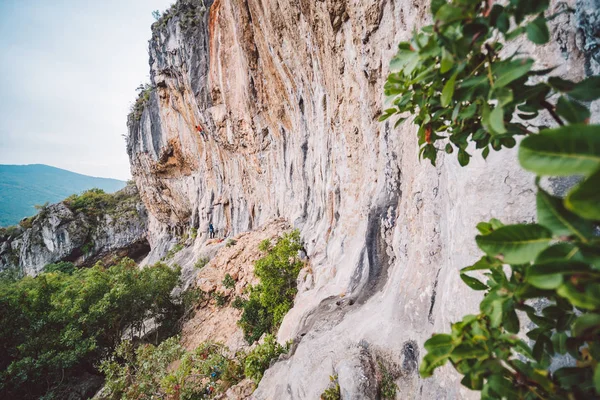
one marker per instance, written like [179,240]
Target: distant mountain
[23,186]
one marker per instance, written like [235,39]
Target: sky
[68,73]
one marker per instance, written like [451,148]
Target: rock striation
[59,233]
[263,109]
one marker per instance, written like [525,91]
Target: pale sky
[68,73]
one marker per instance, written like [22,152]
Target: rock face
[266,109]
[58,233]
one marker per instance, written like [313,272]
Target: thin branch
[550,108]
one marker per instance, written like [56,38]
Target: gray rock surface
[286,95]
[60,234]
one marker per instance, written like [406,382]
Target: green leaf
[587,90]
[537,31]
[447,61]
[562,85]
[511,71]
[497,120]
[584,199]
[553,215]
[511,320]
[518,244]
[473,283]
[484,262]
[585,300]
[448,91]
[585,325]
[439,347]
[568,150]
[436,5]
[550,275]
[559,341]
[463,157]
[559,252]
[597,378]
[572,111]
[448,13]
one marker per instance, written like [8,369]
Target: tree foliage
[452,77]
[57,325]
[273,297]
[204,373]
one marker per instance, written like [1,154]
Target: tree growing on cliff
[453,78]
[273,297]
[60,324]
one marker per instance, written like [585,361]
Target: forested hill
[24,186]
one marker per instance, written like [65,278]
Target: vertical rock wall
[268,108]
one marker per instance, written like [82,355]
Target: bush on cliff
[273,297]
[58,325]
[463,93]
[207,372]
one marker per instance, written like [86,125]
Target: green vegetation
[452,77]
[62,266]
[24,186]
[174,250]
[332,392]
[260,357]
[137,108]
[220,299]
[230,243]
[273,297]
[95,202]
[229,282]
[387,386]
[194,233]
[189,13]
[57,325]
[201,263]
[205,373]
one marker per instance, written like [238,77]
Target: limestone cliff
[262,109]
[61,232]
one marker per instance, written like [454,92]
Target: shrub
[238,303]
[220,299]
[259,358]
[137,109]
[204,373]
[332,392]
[451,75]
[387,386]
[228,281]
[56,325]
[194,233]
[26,223]
[174,250]
[230,242]
[62,266]
[273,297]
[201,263]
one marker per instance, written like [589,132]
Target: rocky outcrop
[263,109]
[60,233]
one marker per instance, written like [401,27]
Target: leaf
[553,215]
[512,71]
[568,150]
[537,31]
[448,13]
[597,378]
[449,149]
[559,252]
[463,157]
[473,283]
[572,111]
[585,325]
[587,90]
[447,61]
[497,120]
[559,342]
[518,244]
[562,85]
[448,91]
[511,321]
[436,5]
[550,275]
[584,199]
[484,262]
[439,347]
